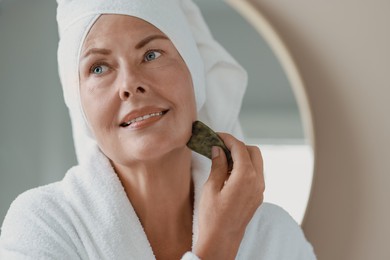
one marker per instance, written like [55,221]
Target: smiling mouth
[142,118]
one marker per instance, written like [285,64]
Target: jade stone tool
[203,138]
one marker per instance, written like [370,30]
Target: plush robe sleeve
[34,228]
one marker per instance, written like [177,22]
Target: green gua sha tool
[203,138]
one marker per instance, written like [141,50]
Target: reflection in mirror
[36,147]
[270,114]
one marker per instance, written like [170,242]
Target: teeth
[142,118]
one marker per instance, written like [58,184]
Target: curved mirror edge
[276,114]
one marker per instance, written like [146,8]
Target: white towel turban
[219,81]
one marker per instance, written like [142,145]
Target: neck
[161,193]
[157,180]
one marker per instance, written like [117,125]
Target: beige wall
[342,49]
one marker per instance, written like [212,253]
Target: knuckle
[262,187]
[241,144]
[254,150]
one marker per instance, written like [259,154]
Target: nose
[126,92]
[131,85]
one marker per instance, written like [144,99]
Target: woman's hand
[229,201]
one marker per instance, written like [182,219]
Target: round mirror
[275,114]
[35,135]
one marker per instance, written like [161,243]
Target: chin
[145,151]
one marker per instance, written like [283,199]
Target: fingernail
[214,152]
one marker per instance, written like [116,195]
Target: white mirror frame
[269,34]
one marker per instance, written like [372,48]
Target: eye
[99,69]
[152,55]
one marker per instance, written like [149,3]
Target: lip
[153,112]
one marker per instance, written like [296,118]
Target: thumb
[219,167]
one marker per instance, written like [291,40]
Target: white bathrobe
[87,215]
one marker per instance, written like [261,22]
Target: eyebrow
[139,45]
[150,38]
[96,51]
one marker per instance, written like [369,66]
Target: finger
[238,150]
[219,168]
[257,161]
[243,173]
[256,158]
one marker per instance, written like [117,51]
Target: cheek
[179,85]
[98,111]
[191,104]
[182,93]
[189,97]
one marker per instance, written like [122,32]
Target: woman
[133,74]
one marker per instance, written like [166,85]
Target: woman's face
[136,90]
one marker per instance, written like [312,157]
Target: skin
[128,66]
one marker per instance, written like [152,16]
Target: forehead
[114,25]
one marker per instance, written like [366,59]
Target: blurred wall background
[35,133]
